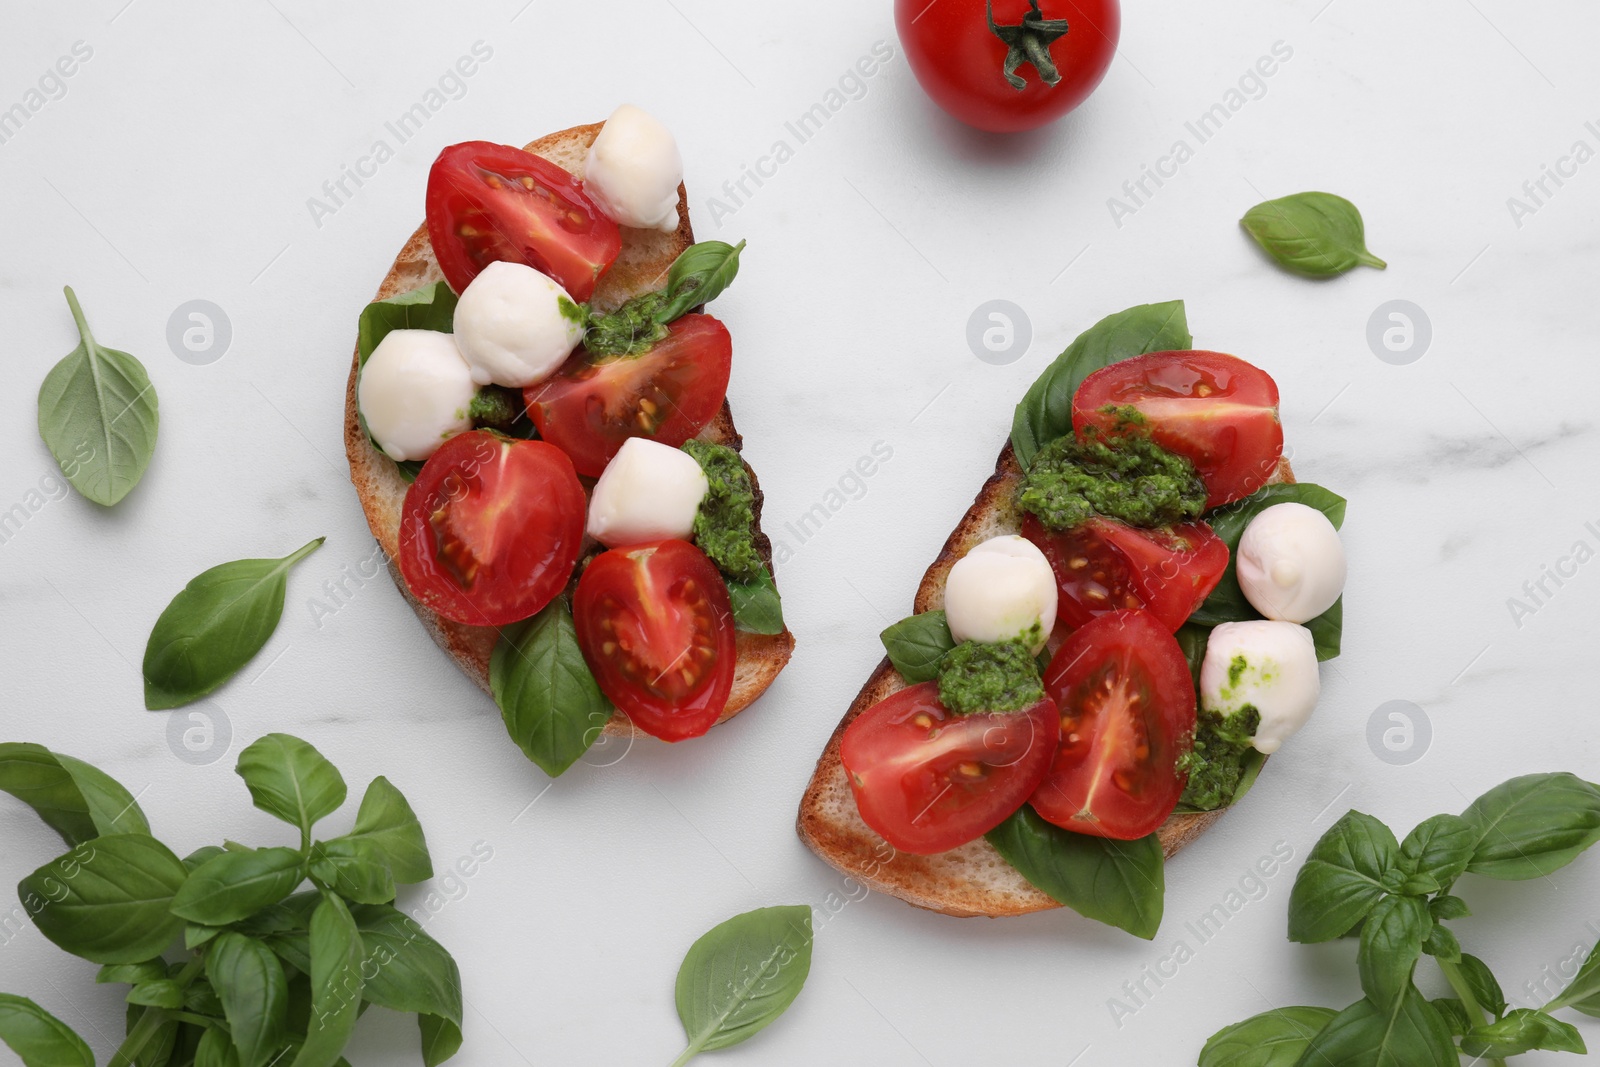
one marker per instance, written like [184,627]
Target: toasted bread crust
[643,264]
[973,879]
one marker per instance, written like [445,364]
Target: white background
[178,166]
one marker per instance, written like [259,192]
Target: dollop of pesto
[1216,764]
[629,330]
[495,407]
[725,528]
[1125,476]
[980,676]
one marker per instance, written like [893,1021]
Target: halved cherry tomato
[1103,565]
[491,528]
[929,780]
[1127,713]
[655,626]
[489,202]
[1217,410]
[668,394]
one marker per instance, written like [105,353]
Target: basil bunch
[270,973]
[1396,896]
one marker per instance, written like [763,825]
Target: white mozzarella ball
[634,169]
[648,492]
[1265,664]
[415,391]
[1000,590]
[1291,563]
[515,326]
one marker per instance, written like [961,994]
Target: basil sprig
[99,417]
[552,706]
[741,975]
[1396,897]
[1045,411]
[1316,234]
[255,948]
[214,626]
[699,275]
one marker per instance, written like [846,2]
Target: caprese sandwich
[537,427]
[1125,624]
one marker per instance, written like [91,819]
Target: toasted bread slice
[972,879]
[641,267]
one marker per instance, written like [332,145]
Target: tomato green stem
[1028,42]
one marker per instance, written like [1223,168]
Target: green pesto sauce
[1216,764]
[629,330]
[725,528]
[572,311]
[495,407]
[979,676]
[1127,477]
[1236,670]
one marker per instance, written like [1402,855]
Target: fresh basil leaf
[214,627]
[1342,879]
[291,780]
[552,706]
[1440,847]
[698,276]
[1315,234]
[235,885]
[216,1050]
[1454,1014]
[107,899]
[1391,944]
[1120,883]
[1485,987]
[1446,907]
[1583,992]
[1442,944]
[1327,631]
[441,1039]
[386,820]
[741,975]
[1533,825]
[197,934]
[132,973]
[1409,1033]
[1192,639]
[917,644]
[1045,411]
[756,607]
[254,991]
[77,801]
[1522,1030]
[38,1038]
[354,868]
[161,993]
[201,855]
[98,416]
[432,307]
[336,980]
[1275,1038]
[406,970]
[157,1046]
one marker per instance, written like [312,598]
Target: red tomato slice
[1127,714]
[929,780]
[1217,410]
[490,202]
[668,394]
[1103,565]
[491,528]
[656,628]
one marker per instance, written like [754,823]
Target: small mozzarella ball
[648,492]
[1268,665]
[415,391]
[1000,590]
[1291,563]
[515,326]
[633,171]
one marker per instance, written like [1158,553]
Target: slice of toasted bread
[641,267]
[973,879]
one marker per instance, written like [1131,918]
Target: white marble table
[182,161]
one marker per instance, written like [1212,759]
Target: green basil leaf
[77,801]
[741,975]
[1275,1038]
[235,885]
[552,706]
[1192,639]
[698,276]
[1409,1033]
[197,934]
[1446,907]
[1327,631]
[161,993]
[289,779]
[1342,879]
[386,820]
[1440,847]
[98,416]
[1522,1030]
[254,991]
[406,970]
[917,644]
[158,1048]
[107,899]
[1583,992]
[132,973]
[1442,944]
[201,855]
[432,307]
[1533,825]
[1315,234]
[214,627]
[354,868]
[756,607]
[1120,883]
[1485,987]
[1391,944]
[1045,411]
[216,1050]
[441,1039]
[1454,1014]
[336,981]
[38,1038]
